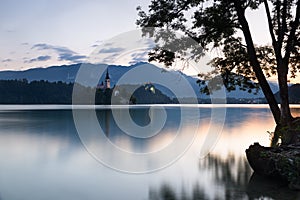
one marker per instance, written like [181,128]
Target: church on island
[106,85]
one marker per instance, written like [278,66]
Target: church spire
[107,75]
[107,80]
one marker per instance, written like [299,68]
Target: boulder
[282,163]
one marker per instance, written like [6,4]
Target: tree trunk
[286,117]
[255,64]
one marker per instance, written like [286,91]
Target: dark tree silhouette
[44,92]
[217,24]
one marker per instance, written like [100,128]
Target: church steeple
[107,75]
[107,80]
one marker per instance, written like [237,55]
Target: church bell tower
[107,80]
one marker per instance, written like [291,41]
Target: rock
[282,162]
[260,162]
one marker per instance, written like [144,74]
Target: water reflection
[232,174]
[140,117]
[42,158]
[259,187]
[232,179]
[228,179]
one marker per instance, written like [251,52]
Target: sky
[41,33]
[38,33]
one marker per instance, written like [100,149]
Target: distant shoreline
[10,107]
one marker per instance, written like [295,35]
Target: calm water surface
[43,158]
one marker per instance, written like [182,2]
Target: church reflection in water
[107,122]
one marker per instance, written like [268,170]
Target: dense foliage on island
[44,92]
[141,94]
[35,92]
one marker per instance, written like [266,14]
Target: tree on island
[243,64]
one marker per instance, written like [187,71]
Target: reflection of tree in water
[259,187]
[230,177]
[232,174]
[166,192]
[230,181]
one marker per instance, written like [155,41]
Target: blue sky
[40,33]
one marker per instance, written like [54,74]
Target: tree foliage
[44,92]
[223,24]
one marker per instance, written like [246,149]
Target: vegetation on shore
[44,92]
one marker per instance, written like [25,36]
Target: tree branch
[271,27]
[278,5]
[284,17]
[248,4]
[291,39]
[283,28]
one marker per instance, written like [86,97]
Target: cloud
[108,44]
[58,49]
[111,50]
[64,54]
[97,43]
[71,57]
[40,58]
[6,60]
[110,59]
[139,57]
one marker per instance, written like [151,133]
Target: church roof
[107,75]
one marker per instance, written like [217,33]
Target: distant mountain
[64,73]
[246,95]
[67,74]
[294,94]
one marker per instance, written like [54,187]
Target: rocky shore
[281,162]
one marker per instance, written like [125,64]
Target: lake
[167,152]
